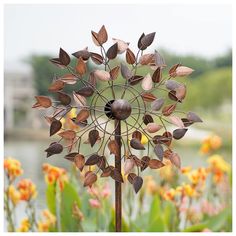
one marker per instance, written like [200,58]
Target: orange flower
[12,168]
[27,189]
[13,194]
[54,175]
[211,143]
[49,221]
[24,226]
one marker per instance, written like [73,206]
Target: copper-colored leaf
[84,54]
[112,51]
[57,62]
[130,57]
[175,120]
[95,38]
[80,67]
[147,40]
[175,160]
[159,151]
[140,46]
[137,135]
[96,58]
[156,77]
[125,71]
[155,164]
[167,138]
[179,133]
[93,137]
[136,144]
[187,122]
[42,101]
[56,86]
[68,79]
[80,100]
[113,147]
[122,45]
[172,95]
[157,104]
[145,161]
[86,91]
[102,35]
[117,176]
[79,161]
[148,97]
[131,177]
[193,117]
[147,82]
[90,179]
[159,60]
[102,163]
[147,119]
[172,71]
[92,160]
[135,79]
[82,115]
[71,156]
[102,75]
[114,72]
[137,183]
[64,57]
[64,98]
[106,172]
[55,127]
[54,148]
[68,134]
[146,59]
[153,127]
[128,166]
[169,109]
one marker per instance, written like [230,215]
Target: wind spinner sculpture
[117,105]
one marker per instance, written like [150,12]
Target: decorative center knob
[120,109]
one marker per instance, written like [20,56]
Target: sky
[203,30]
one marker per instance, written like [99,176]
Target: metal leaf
[80,67]
[79,161]
[96,58]
[148,97]
[175,160]
[136,144]
[137,135]
[112,51]
[135,79]
[147,40]
[54,148]
[175,120]
[68,134]
[117,176]
[155,164]
[93,137]
[113,147]
[181,92]
[71,156]
[137,183]
[128,166]
[131,177]
[159,60]
[146,59]
[167,110]
[122,45]
[147,82]
[183,71]
[90,179]
[102,75]
[64,57]
[157,104]
[42,101]
[64,98]
[156,77]
[159,151]
[193,117]
[84,54]
[80,100]
[147,119]
[172,84]
[153,127]
[92,160]
[102,35]
[57,85]
[172,71]
[125,71]
[140,46]
[145,160]
[130,57]
[114,72]
[68,79]
[55,127]
[82,115]
[86,91]
[179,133]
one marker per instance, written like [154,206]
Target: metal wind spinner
[118,104]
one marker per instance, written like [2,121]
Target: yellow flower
[12,168]
[167,172]
[217,162]
[211,143]
[27,189]
[54,175]
[197,176]
[186,169]
[170,194]
[13,194]
[189,190]
[49,221]
[24,226]
[144,139]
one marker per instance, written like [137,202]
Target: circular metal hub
[120,109]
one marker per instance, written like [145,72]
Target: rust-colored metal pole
[118,202]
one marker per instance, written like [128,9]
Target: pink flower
[106,191]
[94,203]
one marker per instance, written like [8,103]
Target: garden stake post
[117,112]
